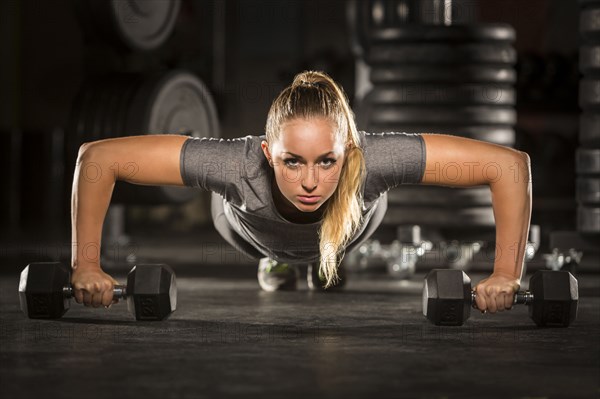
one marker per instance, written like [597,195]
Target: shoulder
[389,140]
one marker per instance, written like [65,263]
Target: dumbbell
[552,297]
[45,291]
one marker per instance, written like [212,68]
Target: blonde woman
[308,191]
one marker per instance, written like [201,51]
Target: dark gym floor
[228,338]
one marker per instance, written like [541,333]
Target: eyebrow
[301,157]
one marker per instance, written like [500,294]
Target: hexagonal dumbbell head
[555,298]
[447,297]
[151,292]
[41,290]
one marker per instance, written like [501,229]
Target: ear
[265,147]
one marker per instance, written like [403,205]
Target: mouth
[311,199]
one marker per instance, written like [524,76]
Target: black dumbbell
[45,291]
[552,297]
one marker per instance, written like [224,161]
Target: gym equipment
[441,115]
[588,190]
[496,33]
[435,77]
[589,93]
[443,94]
[589,59]
[589,23]
[115,105]
[45,291]
[139,25]
[552,297]
[587,156]
[384,74]
[587,161]
[588,219]
[440,54]
[589,130]
[372,20]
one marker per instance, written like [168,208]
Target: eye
[293,162]
[330,162]
[289,161]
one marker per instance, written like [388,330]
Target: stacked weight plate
[116,105]
[456,79]
[588,153]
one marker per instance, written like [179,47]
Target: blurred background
[520,74]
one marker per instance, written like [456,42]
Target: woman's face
[307,161]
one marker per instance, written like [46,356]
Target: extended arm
[462,162]
[146,160]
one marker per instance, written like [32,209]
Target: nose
[311,179]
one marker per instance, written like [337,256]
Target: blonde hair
[314,94]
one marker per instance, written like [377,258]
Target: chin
[313,207]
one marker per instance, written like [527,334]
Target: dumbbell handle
[119,291]
[521,297]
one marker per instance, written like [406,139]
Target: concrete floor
[228,338]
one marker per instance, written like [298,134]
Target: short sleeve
[393,159]
[215,164]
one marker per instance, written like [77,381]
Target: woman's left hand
[496,293]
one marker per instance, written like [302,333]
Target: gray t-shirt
[238,171]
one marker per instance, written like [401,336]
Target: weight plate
[589,23]
[493,134]
[444,33]
[433,196]
[145,24]
[589,93]
[440,217]
[175,102]
[384,74]
[135,24]
[588,219]
[440,94]
[589,130]
[442,54]
[589,59]
[587,161]
[377,20]
[588,190]
[411,115]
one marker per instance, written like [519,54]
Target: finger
[490,300]
[107,297]
[480,300]
[500,302]
[87,298]
[508,301]
[78,295]
[97,299]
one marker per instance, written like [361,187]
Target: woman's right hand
[93,287]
